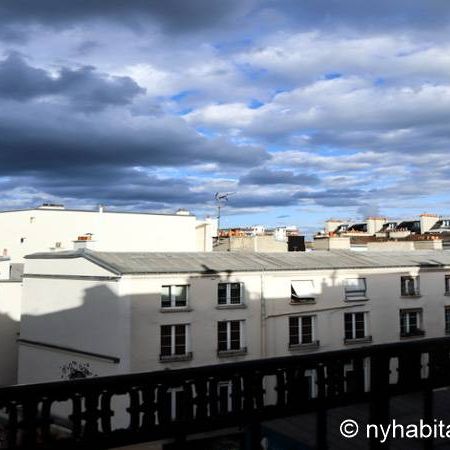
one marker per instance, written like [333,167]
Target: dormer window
[355,289]
[303,291]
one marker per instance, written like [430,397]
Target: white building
[107,313]
[54,228]
[10,294]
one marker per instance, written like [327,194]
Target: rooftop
[102,210]
[124,263]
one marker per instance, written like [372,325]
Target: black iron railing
[107,412]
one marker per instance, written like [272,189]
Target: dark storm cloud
[110,185]
[264,176]
[85,88]
[176,14]
[187,15]
[36,137]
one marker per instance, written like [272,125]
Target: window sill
[363,340]
[410,296]
[231,306]
[417,334]
[303,301]
[356,299]
[175,309]
[300,347]
[175,358]
[230,353]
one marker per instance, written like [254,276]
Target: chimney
[331,225]
[101,208]
[84,241]
[427,221]
[183,212]
[374,224]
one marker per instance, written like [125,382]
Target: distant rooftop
[101,209]
[153,263]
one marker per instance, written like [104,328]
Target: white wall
[123,318]
[10,300]
[144,296]
[79,313]
[38,230]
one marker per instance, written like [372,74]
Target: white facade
[79,311]
[54,229]
[10,296]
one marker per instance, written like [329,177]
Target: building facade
[55,228]
[103,313]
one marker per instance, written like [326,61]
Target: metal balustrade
[178,403]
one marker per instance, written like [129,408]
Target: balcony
[259,390]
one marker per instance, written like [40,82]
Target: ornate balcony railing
[108,412]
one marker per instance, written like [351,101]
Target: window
[301,331]
[174,342]
[447,284]
[303,292]
[409,286]
[229,294]
[230,336]
[224,397]
[355,325]
[355,288]
[447,319]
[411,322]
[174,296]
[174,407]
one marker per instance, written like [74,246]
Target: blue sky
[304,109]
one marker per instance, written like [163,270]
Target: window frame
[297,339]
[228,350]
[174,355]
[418,331]
[447,319]
[228,297]
[303,299]
[354,338]
[447,284]
[404,291]
[350,295]
[173,299]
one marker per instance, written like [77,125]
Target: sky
[303,109]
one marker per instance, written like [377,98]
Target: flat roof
[105,211]
[126,263]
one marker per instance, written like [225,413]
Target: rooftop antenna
[221,200]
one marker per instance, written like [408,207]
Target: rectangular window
[174,296]
[229,294]
[230,335]
[447,319]
[447,284]
[301,330]
[174,340]
[411,322]
[355,288]
[303,291]
[409,286]
[355,325]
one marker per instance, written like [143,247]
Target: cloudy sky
[306,109]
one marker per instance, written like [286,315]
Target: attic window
[303,291]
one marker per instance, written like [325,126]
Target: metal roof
[212,262]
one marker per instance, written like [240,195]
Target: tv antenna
[221,199]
